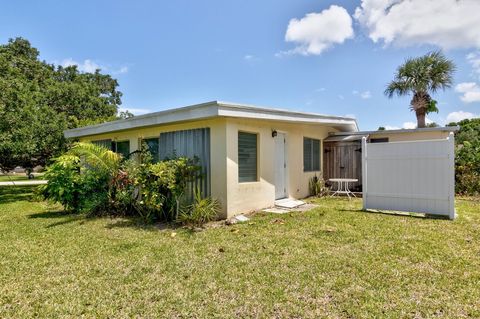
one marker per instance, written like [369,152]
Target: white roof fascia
[210,110]
[415,130]
[189,113]
[247,111]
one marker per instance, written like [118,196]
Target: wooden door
[343,160]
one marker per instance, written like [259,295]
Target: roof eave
[189,113]
[416,130]
[211,110]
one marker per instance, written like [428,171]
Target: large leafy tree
[38,101]
[85,98]
[421,77]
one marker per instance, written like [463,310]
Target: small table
[342,186]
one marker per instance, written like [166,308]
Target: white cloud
[412,125]
[122,70]
[134,111]
[90,66]
[85,66]
[389,127]
[474,59]
[409,125]
[341,97]
[364,95]
[317,32]
[444,23]
[470,92]
[460,115]
[320,90]
[250,58]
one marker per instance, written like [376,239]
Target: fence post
[451,172]
[364,173]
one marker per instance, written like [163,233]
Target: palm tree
[421,77]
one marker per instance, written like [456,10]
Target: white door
[280,167]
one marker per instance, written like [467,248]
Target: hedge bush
[93,180]
[467,157]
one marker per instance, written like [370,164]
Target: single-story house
[251,156]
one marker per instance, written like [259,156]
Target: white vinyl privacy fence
[411,176]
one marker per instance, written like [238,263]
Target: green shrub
[467,181]
[467,168]
[121,196]
[80,179]
[63,182]
[159,189]
[467,158]
[78,189]
[94,180]
[316,186]
[201,211]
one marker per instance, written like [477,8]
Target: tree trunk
[419,104]
[420,113]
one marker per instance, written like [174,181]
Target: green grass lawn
[8,178]
[334,261]
[19,177]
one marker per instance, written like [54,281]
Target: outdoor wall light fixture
[274,133]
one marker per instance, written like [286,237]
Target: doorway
[280,166]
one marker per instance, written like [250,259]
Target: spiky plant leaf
[96,156]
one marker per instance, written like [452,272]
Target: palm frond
[67,159]
[398,87]
[96,156]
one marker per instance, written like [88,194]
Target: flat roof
[383,132]
[211,110]
[345,138]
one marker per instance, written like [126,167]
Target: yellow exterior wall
[245,197]
[217,151]
[411,136]
[235,197]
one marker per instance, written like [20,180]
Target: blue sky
[337,60]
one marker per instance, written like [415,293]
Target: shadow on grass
[395,213]
[51,214]
[10,194]
[66,217]
[112,222]
[133,222]
[69,220]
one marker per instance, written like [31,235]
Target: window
[152,144]
[311,154]
[104,143]
[122,148]
[379,140]
[247,157]
[194,143]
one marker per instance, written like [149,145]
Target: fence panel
[410,176]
